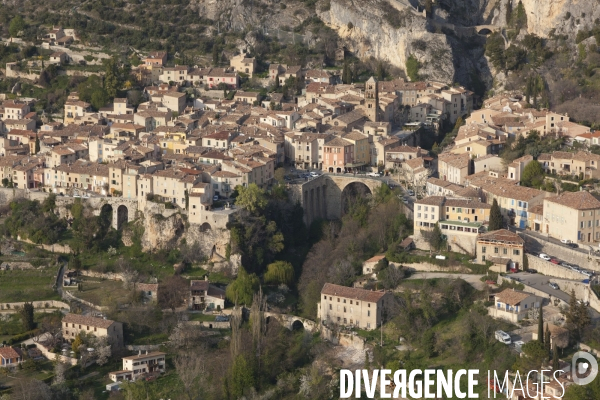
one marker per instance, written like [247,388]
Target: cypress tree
[555,363]
[37,144]
[547,340]
[541,325]
[496,220]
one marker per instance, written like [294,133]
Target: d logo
[589,365]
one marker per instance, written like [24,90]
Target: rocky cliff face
[363,28]
[564,16]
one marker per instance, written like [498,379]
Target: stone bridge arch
[322,197]
[123,209]
[292,322]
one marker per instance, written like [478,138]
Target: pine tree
[496,220]
[541,325]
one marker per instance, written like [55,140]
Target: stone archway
[106,215]
[353,193]
[205,227]
[122,216]
[297,325]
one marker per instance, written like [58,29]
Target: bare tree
[30,389]
[103,351]
[191,370]
[173,292]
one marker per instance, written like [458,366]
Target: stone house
[243,64]
[513,305]
[574,216]
[138,365]
[204,296]
[353,307]
[370,264]
[10,357]
[149,290]
[501,244]
[73,324]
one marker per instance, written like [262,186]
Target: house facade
[341,305]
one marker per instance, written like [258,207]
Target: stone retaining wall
[584,260]
[41,304]
[343,338]
[549,269]
[429,267]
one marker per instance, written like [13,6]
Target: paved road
[541,282]
[472,279]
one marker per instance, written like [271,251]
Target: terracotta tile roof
[576,200]
[455,160]
[501,235]
[376,258]
[352,293]
[466,204]
[431,201]
[147,287]
[143,356]
[8,352]
[512,297]
[88,321]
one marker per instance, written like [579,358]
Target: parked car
[532,271]
[373,174]
[314,174]
[555,261]
[585,303]
[544,257]
[566,241]
[565,264]
[502,337]
[554,286]
[215,198]
[410,192]
[587,273]
[573,245]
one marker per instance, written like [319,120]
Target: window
[369,305]
[368,313]
[516,252]
[483,250]
[504,251]
[495,250]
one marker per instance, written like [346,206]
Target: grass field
[27,285]
[102,292]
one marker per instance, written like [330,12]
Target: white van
[503,337]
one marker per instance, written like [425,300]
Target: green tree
[540,330]
[547,340]
[534,356]
[77,343]
[412,68]
[111,77]
[17,24]
[525,262]
[242,376]
[279,272]
[26,313]
[252,198]
[428,343]
[555,361]
[346,74]
[578,317]
[242,289]
[37,144]
[533,175]
[541,325]
[434,237]
[279,175]
[496,219]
